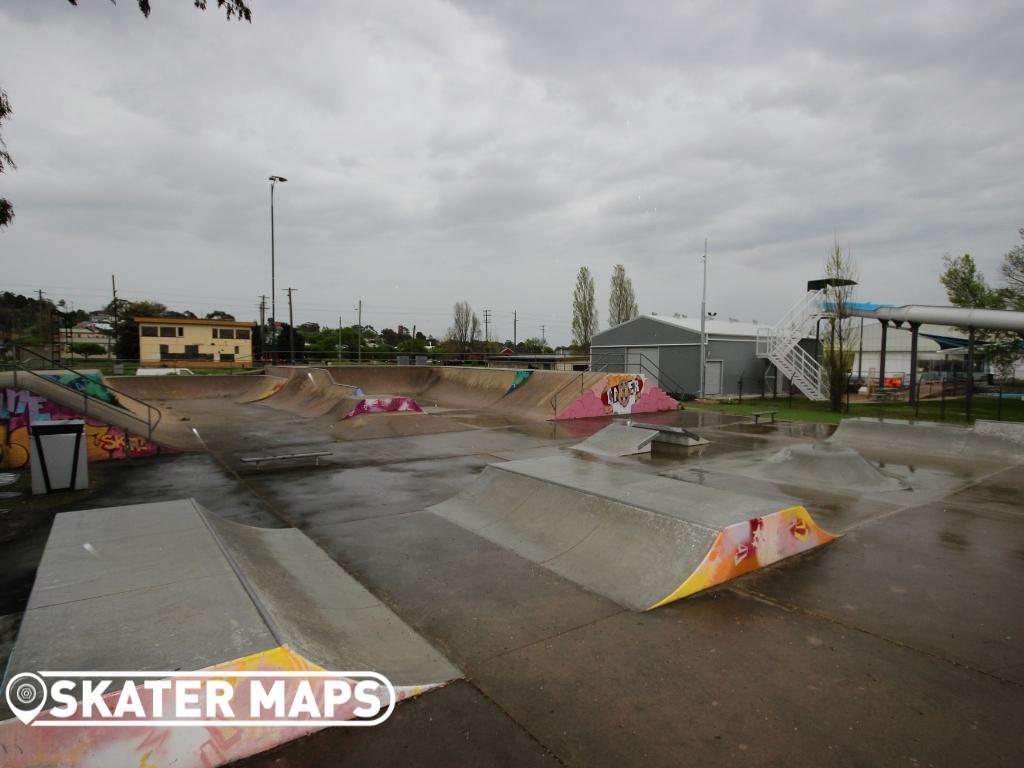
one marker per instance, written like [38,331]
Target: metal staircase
[781,345]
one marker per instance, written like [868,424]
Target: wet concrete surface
[898,644]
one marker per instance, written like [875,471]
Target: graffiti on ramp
[19,408]
[744,547]
[619,394]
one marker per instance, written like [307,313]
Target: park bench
[886,395]
[759,414]
[257,460]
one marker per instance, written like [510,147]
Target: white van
[164,372]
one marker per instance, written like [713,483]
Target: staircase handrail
[791,328]
[149,421]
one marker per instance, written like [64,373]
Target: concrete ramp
[242,388]
[313,393]
[828,464]
[170,585]
[539,395]
[638,539]
[618,440]
[987,440]
[113,431]
[612,394]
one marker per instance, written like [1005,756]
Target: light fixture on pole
[273,286]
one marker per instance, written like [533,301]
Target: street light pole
[273,285]
[703,320]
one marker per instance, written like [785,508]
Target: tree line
[966,286]
[622,305]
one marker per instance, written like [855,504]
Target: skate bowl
[998,441]
[538,395]
[171,586]
[242,388]
[349,413]
[641,540]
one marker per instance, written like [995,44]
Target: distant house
[170,342]
[90,333]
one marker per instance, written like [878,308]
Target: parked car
[164,372]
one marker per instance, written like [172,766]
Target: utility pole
[291,327]
[543,337]
[703,321]
[263,323]
[359,343]
[273,289]
[339,338]
[515,328]
[113,287]
[487,325]
[39,333]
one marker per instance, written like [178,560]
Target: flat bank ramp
[987,440]
[638,539]
[170,585]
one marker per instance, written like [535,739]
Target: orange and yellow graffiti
[19,408]
[747,546]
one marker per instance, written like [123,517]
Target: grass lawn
[930,410]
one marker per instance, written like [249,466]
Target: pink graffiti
[618,394]
[385,405]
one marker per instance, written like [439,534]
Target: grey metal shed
[667,349]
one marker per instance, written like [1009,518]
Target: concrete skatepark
[499,558]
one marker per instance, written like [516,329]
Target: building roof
[712,327]
[195,321]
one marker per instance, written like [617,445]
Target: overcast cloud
[439,151]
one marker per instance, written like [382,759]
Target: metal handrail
[150,423]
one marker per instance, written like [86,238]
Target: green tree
[584,310]
[6,209]
[621,299]
[533,346]
[126,342]
[219,314]
[87,348]
[1013,273]
[235,8]
[966,287]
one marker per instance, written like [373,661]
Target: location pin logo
[26,695]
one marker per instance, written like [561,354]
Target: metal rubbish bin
[58,456]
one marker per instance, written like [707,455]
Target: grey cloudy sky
[439,151]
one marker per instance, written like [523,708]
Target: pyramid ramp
[641,540]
